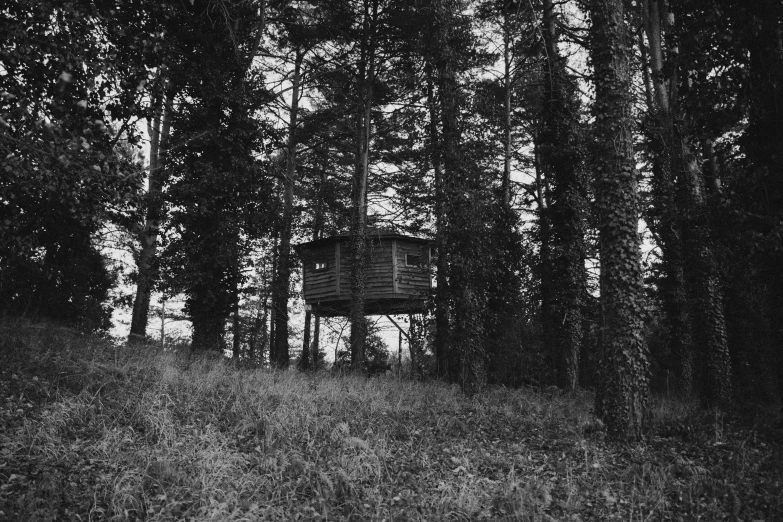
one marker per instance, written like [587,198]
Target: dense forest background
[543,146]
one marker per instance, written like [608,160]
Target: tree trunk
[318,225]
[442,327]
[208,325]
[271,338]
[358,235]
[646,77]
[252,347]
[507,95]
[318,219]
[163,322]
[283,279]
[624,395]
[159,131]
[460,192]
[413,346]
[359,193]
[259,336]
[264,339]
[545,272]
[664,215]
[763,148]
[560,158]
[710,168]
[709,322]
[304,359]
[316,341]
[693,294]
[236,328]
[399,352]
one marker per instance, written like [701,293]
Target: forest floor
[90,431]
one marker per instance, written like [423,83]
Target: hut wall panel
[324,286]
[413,287]
[319,284]
[378,275]
[412,279]
[345,269]
[320,292]
[378,271]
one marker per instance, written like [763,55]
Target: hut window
[320,266]
[412,259]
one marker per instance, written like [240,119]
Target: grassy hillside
[92,431]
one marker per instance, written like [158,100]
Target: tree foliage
[69,88]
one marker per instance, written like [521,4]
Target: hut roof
[371,234]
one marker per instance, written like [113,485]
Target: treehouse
[397,274]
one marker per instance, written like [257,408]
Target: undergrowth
[92,431]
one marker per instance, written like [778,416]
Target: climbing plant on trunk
[622,399]
[692,292]
[560,151]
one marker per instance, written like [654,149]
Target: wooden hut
[397,281]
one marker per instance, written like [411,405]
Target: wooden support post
[399,352]
[414,346]
[403,332]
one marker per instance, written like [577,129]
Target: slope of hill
[96,431]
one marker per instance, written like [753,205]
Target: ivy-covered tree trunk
[451,171]
[545,271]
[669,199]
[283,278]
[461,243]
[665,221]
[703,277]
[158,130]
[358,234]
[678,216]
[623,399]
[208,327]
[209,302]
[216,188]
[442,326]
[560,159]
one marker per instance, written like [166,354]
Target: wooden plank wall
[412,279]
[384,277]
[319,285]
[379,280]
[395,263]
[379,276]
[344,280]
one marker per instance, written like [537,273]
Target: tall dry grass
[133,433]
